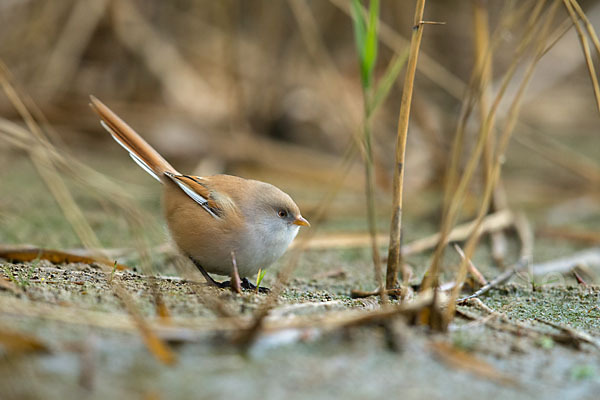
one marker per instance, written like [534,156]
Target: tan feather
[137,147]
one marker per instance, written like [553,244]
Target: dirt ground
[95,351]
[84,344]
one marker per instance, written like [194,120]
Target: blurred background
[271,90]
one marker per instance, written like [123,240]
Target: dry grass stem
[586,48]
[394,251]
[454,204]
[477,90]
[483,57]
[588,25]
[194,328]
[525,234]
[46,169]
[54,182]
[472,268]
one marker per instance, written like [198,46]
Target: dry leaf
[15,342]
[26,254]
[461,359]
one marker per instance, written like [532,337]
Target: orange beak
[301,221]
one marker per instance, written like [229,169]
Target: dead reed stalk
[394,252]
[569,5]
[455,191]
[494,174]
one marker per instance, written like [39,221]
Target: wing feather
[197,191]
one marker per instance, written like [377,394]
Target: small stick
[525,234]
[500,279]
[481,305]
[471,267]
[236,282]
[576,336]
[579,278]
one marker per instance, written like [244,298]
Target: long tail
[139,150]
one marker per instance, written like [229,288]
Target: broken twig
[472,268]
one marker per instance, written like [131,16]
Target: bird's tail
[139,150]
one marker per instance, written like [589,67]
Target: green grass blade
[370,52]
[259,277]
[387,81]
[360,31]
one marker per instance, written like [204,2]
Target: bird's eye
[282,213]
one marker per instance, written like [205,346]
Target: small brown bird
[210,218]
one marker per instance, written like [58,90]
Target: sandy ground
[93,349]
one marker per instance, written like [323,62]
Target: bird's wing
[199,189]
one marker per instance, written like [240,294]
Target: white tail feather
[145,167]
[133,156]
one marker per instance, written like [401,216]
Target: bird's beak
[301,221]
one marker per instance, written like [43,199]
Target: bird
[216,221]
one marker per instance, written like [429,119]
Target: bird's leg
[209,278]
[246,284]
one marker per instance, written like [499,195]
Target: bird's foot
[246,284]
[221,285]
[227,284]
